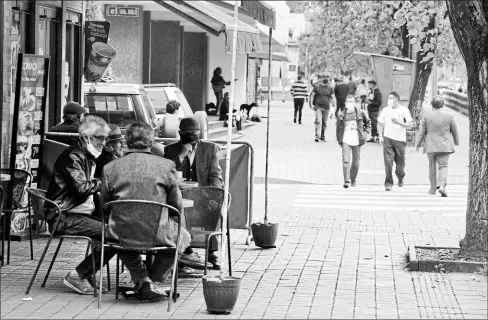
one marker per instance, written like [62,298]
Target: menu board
[29,114]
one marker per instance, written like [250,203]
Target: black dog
[248,107]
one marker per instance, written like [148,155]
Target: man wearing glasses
[72,187]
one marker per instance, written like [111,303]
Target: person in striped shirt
[299,90]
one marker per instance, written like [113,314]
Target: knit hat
[73,108]
[189,124]
[115,133]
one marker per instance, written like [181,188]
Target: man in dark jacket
[341,89]
[198,161]
[218,84]
[72,116]
[374,106]
[72,187]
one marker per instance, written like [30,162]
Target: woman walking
[353,127]
[218,84]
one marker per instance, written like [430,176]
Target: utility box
[392,74]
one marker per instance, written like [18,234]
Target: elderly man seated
[72,187]
[198,161]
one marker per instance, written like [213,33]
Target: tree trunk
[422,72]
[469,22]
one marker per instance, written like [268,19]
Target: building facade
[49,28]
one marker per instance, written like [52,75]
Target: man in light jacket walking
[439,131]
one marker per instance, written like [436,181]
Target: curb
[414,264]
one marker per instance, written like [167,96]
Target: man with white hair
[72,187]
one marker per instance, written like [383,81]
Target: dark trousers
[363,102]
[219,95]
[394,152]
[85,225]
[341,105]
[374,123]
[298,108]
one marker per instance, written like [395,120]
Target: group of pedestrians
[387,126]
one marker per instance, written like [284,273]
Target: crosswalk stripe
[411,198]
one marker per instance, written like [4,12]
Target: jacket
[439,131]
[102,160]
[218,80]
[341,90]
[70,183]
[65,128]
[208,171]
[375,104]
[364,126]
[141,175]
[322,96]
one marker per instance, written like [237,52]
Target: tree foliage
[437,43]
[340,28]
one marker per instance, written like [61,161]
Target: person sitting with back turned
[72,116]
[198,161]
[141,175]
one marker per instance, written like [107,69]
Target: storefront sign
[122,11]
[95,31]
[29,111]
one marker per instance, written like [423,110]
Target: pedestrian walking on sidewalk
[353,127]
[299,90]
[341,91]
[374,105]
[362,92]
[321,101]
[439,132]
[395,119]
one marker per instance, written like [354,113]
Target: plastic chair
[13,193]
[38,200]
[136,224]
[203,220]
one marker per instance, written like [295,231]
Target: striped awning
[260,11]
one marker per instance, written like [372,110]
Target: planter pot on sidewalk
[265,234]
[220,294]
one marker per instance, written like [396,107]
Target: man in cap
[113,149]
[198,161]
[72,115]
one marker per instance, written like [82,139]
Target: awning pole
[267,132]
[225,211]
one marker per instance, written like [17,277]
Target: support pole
[267,132]
[225,211]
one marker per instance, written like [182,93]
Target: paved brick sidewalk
[296,157]
[329,263]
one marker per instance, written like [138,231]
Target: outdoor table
[4,177]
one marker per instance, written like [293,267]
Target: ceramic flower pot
[220,294]
[265,234]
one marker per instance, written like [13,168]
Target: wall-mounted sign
[112,11]
[95,31]
[292,67]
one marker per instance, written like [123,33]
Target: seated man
[114,149]
[72,187]
[72,116]
[141,175]
[199,162]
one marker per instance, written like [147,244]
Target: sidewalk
[328,263]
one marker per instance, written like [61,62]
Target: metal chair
[38,201]
[203,220]
[13,194]
[136,224]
